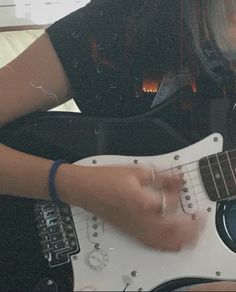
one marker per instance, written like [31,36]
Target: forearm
[33,81]
[25,175]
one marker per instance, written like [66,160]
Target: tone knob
[97,259]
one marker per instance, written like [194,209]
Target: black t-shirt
[109,66]
[95,44]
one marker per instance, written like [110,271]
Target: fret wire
[196,177]
[191,179]
[217,157]
[192,162]
[230,165]
[232,151]
[197,161]
[192,171]
[197,168]
[227,171]
[207,158]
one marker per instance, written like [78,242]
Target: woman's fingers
[168,188]
[178,232]
[143,203]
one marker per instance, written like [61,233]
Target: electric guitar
[47,248]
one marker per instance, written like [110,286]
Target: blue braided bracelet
[51,182]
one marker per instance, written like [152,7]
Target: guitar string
[83,233]
[189,171]
[198,196]
[211,178]
[195,169]
[84,230]
[171,170]
[188,163]
[90,216]
[191,186]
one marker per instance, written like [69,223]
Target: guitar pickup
[188,197]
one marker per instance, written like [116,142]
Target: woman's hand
[131,198]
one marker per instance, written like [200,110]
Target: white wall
[38,12]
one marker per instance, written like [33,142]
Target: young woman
[102,56]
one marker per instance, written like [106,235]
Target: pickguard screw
[140,290]
[97,246]
[215,139]
[209,209]
[49,282]
[176,157]
[135,161]
[75,257]
[218,273]
[134,273]
[94,161]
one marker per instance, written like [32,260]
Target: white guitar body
[111,261]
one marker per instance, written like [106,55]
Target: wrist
[53,194]
[71,184]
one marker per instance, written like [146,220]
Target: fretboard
[218,173]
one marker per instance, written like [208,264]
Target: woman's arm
[26,176]
[34,81]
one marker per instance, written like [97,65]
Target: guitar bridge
[57,232]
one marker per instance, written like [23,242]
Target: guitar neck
[218,175]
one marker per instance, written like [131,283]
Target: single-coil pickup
[188,196]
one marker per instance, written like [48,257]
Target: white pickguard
[120,260]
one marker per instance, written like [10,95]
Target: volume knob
[97,259]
